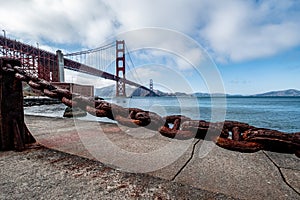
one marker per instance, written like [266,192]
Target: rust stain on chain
[244,137]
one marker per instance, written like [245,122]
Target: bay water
[279,113]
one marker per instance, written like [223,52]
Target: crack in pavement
[187,162]
[280,172]
[290,168]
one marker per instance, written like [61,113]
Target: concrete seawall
[261,175]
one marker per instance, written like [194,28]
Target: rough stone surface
[285,160]
[261,175]
[292,177]
[138,149]
[246,176]
[41,173]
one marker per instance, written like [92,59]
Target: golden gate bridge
[50,66]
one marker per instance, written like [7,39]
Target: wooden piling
[14,134]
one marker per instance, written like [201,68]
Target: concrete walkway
[261,175]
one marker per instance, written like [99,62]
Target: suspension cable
[133,66]
[107,46]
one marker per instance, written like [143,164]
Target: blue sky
[255,45]
[278,72]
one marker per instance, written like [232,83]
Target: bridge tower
[120,68]
[151,85]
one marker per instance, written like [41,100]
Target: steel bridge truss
[35,61]
[45,65]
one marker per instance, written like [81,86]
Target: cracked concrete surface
[261,175]
[41,173]
[289,172]
[292,177]
[245,176]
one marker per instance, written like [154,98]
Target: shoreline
[280,114]
[38,101]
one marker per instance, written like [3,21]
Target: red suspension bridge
[50,66]
[34,62]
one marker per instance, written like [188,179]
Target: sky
[232,46]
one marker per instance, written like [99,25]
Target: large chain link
[230,135]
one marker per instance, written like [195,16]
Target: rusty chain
[244,138]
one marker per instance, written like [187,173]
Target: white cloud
[79,78]
[233,30]
[61,21]
[241,30]
[173,14]
[148,72]
[164,78]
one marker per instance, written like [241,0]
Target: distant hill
[109,91]
[282,93]
[105,91]
[139,92]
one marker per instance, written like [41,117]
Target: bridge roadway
[222,173]
[76,66]
[15,49]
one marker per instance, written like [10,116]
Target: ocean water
[279,113]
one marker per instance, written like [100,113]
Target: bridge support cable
[99,58]
[132,67]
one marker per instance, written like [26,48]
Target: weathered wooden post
[13,131]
